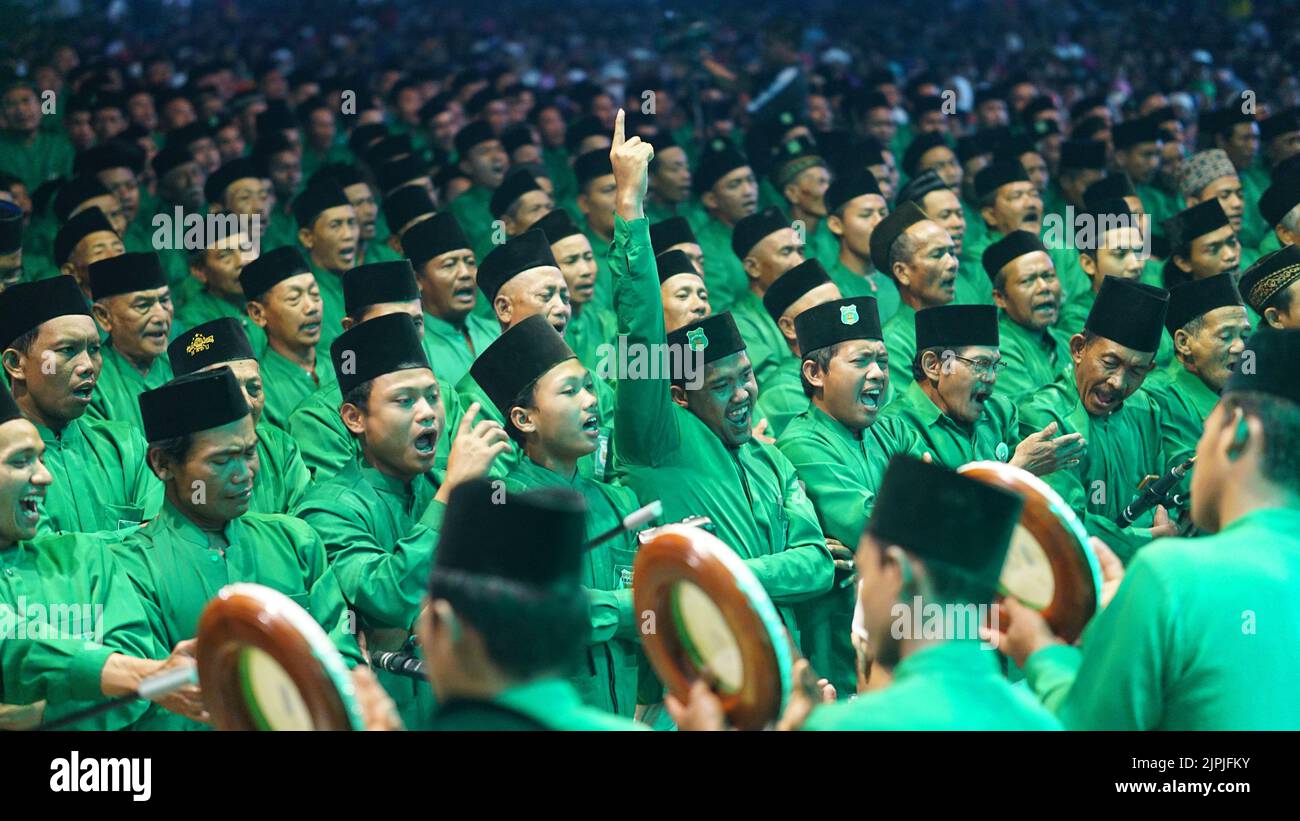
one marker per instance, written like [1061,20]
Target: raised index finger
[618,131]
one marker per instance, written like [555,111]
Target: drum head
[1050,566]
[265,664]
[710,612]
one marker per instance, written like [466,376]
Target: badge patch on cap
[696,339]
[849,314]
[199,344]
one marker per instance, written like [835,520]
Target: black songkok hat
[998,174]
[75,192]
[432,238]
[672,263]
[88,222]
[1194,222]
[1083,154]
[956,326]
[375,347]
[751,230]
[718,159]
[214,189]
[315,200]
[528,250]
[376,283]
[1279,198]
[592,165]
[394,174]
[971,536]
[126,274]
[514,186]
[919,186]
[28,305]
[11,227]
[1111,186]
[405,204]
[837,321]
[716,336]
[1198,297]
[850,186]
[1130,313]
[215,341]
[1135,132]
[539,545]
[517,358]
[1013,245]
[471,135]
[192,403]
[263,273]
[670,232]
[556,226]
[1276,352]
[791,286]
[921,144]
[889,229]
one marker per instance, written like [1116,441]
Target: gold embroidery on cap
[199,343]
[1264,290]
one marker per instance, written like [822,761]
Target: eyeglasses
[982,366]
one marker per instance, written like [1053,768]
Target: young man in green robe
[595,201]
[1208,324]
[728,189]
[782,397]
[282,476]
[27,151]
[685,438]
[1008,202]
[483,159]
[1027,292]
[1202,242]
[854,207]
[592,324]
[51,357]
[53,666]
[133,306]
[328,233]
[1120,426]
[1271,287]
[378,517]
[203,446]
[681,287]
[1176,647]
[236,189]
[767,247]
[547,397]
[284,300]
[215,270]
[361,196]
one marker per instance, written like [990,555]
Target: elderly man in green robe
[282,476]
[75,632]
[548,399]
[1177,647]
[782,397]
[203,446]
[685,438]
[1027,292]
[133,306]
[1120,426]
[378,516]
[51,358]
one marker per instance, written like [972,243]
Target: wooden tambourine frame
[679,554]
[255,644]
[1047,520]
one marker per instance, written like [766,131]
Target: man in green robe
[668,193]
[921,258]
[1138,144]
[378,517]
[51,357]
[74,630]
[484,161]
[82,241]
[941,204]
[117,165]
[681,288]
[1121,426]
[236,189]
[28,152]
[1202,242]
[1027,292]
[1271,287]
[203,446]
[216,269]
[133,306]
[548,400]
[592,325]
[685,438]
[799,172]
[855,206]
[361,196]
[767,247]
[595,202]
[328,233]
[782,396]
[728,189]
[1209,326]
[1008,202]
[1177,648]
[911,560]
[282,477]
[285,302]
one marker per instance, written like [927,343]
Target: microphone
[1154,493]
[151,689]
[402,664]
[630,522]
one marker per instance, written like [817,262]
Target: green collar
[171,520]
[966,657]
[1202,397]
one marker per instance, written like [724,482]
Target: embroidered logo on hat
[696,339]
[849,314]
[199,344]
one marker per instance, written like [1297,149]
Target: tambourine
[1050,567]
[711,612]
[265,664]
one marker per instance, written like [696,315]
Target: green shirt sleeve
[804,569]
[613,615]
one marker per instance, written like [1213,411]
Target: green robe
[1160,204]
[876,285]
[332,310]
[1178,647]
[664,452]
[994,435]
[452,350]
[282,477]
[590,328]
[379,534]
[117,393]
[768,350]
[204,306]
[823,245]
[606,677]
[66,606]
[543,704]
[471,210]
[973,285]
[724,276]
[603,295]
[101,479]
[1185,402]
[1122,449]
[46,157]
[951,685]
[176,573]
[1033,359]
[900,343]
[281,230]
[840,472]
[287,384]
[781,397]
